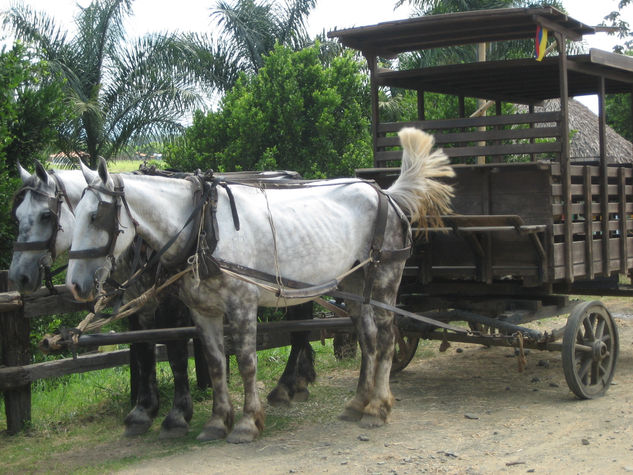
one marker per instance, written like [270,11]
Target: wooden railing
[17,371]
[601,220]
[533,135]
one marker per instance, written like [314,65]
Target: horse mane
[418,190]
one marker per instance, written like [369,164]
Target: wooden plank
[588,225]
[274,335]
[509,119]
[15,351]
[623,221]
[579,208]
[488,135]
[10,301]
[458,152]
[42,303]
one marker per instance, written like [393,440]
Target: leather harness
[204,242]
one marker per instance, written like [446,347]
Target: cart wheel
[405,346]
[590,350]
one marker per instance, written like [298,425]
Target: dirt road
[467,410]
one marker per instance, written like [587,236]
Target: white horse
[44,211]
[311,234]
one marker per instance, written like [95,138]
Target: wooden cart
[531,225]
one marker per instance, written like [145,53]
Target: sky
[193,15]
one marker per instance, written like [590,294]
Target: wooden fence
[17,372]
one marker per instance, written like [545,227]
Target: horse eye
[46,216]
[93,216]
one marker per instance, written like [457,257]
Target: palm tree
[121,90]
[250,28]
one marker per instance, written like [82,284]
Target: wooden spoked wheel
[405,346]
[590,350]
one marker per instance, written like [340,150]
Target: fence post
[15,351]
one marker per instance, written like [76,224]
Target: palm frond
[35,28]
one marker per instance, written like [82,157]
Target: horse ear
[103,170]
[24,175]
[89,175]
[41,172]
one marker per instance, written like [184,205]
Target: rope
[89,325]
[275,252]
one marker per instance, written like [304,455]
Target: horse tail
[417,190]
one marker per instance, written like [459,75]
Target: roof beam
[552,26]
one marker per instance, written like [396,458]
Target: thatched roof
[583,128]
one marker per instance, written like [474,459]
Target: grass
[121,166]
[77,420]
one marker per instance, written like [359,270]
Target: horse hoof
[369,421]
[171,429]
[137,426]
[242,436]
[350,415]
[211,433]
[301,396]
[173,433]
[279,397]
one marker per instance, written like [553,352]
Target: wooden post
[564,154]
[15,351]
[372,63]
[604,181]
[421,110]
[589,272]
[481,56]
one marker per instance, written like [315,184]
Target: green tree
[121,89]
[249,29]
[294,114]
[32,107]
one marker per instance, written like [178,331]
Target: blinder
[106,218]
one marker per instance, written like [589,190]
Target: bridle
[54,206]
[106,218]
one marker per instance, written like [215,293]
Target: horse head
[45,225]
[104,229]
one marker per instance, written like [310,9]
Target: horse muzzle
[81,293]
[26,279]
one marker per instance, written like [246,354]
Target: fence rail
[17,373]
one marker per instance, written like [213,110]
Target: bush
[295,114]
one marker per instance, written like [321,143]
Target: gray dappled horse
[310,236]
[43,209]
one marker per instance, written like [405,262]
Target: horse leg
[381,400]
[212,336]
[362,316]
[140,418]
[299,371]
[243,325]
[172,313]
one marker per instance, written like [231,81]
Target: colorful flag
[540,42]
